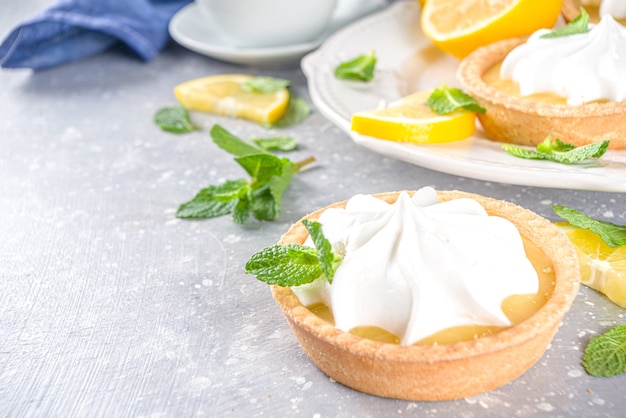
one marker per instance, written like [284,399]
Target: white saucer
[189,29]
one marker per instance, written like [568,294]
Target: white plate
[407,62]
[189,29]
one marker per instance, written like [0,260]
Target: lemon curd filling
[509,87]
[516,307]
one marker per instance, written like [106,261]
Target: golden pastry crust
[524,121]
[439,372]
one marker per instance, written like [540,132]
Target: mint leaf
[614,235]
[263,84]
[324,249]
[278,184]
[520,152]
[263,204]
[579,25]
[444,100]
[261,167]
[285,265]
[360,68]
[559,152]
[549,146]
[277,143]
[605,354]
[213,201]
[297,110]
[175,120]
[231,143]
[579,154]
[242,210]
[227,191]
[202,207]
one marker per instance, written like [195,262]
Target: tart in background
[445,371]
[527,120]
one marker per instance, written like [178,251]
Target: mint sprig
[295,264]
[579,25]
[444,100]
[605,355]
[261,196]
[360,68]
[174,119]
[263,84]
[614,235]
[558,151]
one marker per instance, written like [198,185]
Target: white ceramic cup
[268,23]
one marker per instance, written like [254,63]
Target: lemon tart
[439,371]
[528,119]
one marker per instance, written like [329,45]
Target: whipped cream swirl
[417,266]
[581,68]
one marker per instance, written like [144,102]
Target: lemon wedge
[458,27]
[410,119]
[224,95]
[602,268]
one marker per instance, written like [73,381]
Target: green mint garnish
[175,120]
[614,235]
[285,265]
[605,354]
[260,196]
[297,111]
[558,151]
[444,100]
[263,84]
[324,248]
[360,68]
[295,264]
[277,143]
[579,25]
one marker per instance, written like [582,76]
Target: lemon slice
[224,95]
[458,27]
[411,120]
[602,268]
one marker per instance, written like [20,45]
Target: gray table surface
[110,306]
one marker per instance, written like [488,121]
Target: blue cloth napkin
[75,29]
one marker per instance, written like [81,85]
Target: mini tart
[439,372]
[525,121]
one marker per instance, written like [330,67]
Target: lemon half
[458,27]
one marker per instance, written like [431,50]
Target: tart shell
[439,372]
[524,121]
